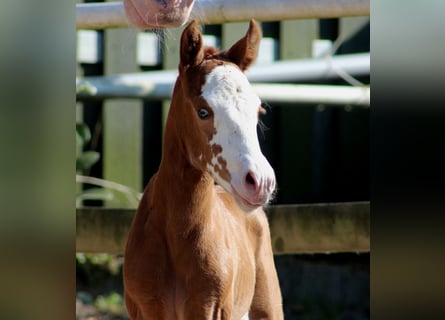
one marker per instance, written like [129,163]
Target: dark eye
[203,113]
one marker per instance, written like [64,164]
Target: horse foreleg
[207,311]
[267,301]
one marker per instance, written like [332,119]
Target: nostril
[250,180]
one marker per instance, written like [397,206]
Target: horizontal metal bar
[112,15]
[101,16]
[356,64]
[314,94]
[158,85]
[312,228]
[222,11]
[270,93]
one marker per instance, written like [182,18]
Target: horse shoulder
[142,214]
[145,245]
[258,226]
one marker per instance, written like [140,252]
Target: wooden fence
[320,228]
[320,153]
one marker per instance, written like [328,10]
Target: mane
[210,52]
[213,53]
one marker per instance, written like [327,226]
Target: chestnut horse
[154,14]
[199,246]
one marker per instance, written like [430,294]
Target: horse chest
[216,260]
[199,245]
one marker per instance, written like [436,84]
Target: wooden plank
[320,228]
[122,152]
[312,228]
[351,25]
[344,164]
[170,60]
[102,230]
[296,38]
[295,125]
[232,32]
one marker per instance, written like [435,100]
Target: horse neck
[183,186]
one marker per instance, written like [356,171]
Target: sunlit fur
[196,250]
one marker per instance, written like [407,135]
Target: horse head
[221,110]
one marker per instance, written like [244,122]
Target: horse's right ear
[245,51]
[192,51]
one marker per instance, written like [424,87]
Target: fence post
[295,124]
[122,118]
[232,32]
[170,60]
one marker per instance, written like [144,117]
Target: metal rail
[268,92]
[158,85]
[112,15]
[312,228]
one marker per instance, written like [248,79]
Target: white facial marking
[235,107]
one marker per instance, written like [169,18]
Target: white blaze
[235,106]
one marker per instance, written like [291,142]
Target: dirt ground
[89,312]
[99,294]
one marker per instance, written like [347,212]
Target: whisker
[262,111]
[265,107]
[273,197]
[262,129]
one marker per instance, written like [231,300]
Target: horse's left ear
[192,52]
[244,52]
